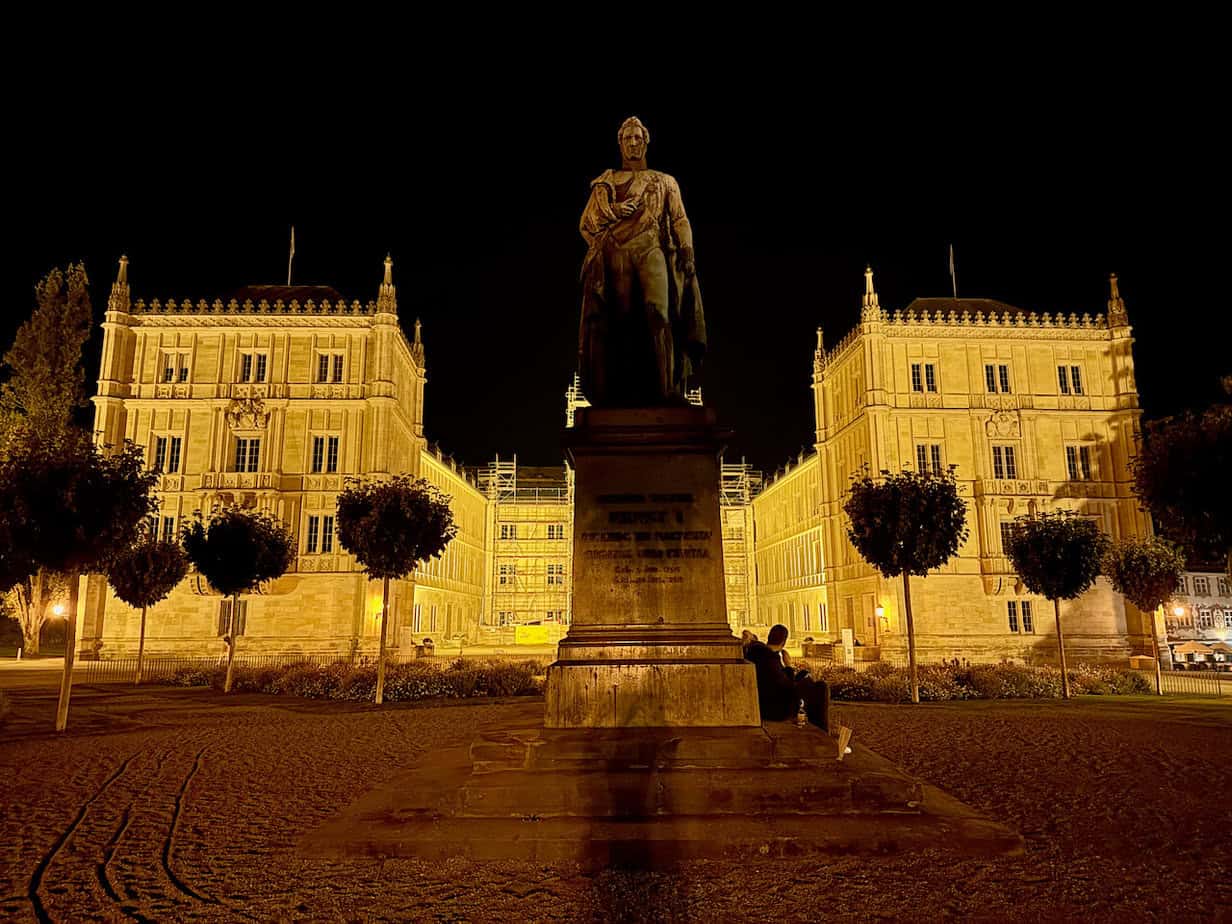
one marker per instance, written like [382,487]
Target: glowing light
[58,609]
[1178,611]
[880,611]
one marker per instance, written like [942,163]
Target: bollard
[18,654]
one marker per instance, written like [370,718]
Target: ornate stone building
[271,399]
[1035,412]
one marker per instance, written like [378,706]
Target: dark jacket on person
[776,691]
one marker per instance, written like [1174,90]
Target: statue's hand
[627,208]
[684,260]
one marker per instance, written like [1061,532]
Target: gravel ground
[165,805]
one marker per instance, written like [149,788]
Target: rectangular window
[506,573]
[823,621]
[173,454]
[1084,462]
[323,367]
[160,453]
[921,458]
[1063,380]
[337,367]
[990,379]
[509,531]
[432,619]
[1004,463]
[930,377]
[1011,608]
[928,458]
[1202,587]
[556,530]
[1180,586]
[1007,533]
[1075,374]
[246,367]
[556,574]
[226,625]
[1223,587]
[183,367]
[314,534]
[917,384]
[169,367]
[417,619]
[247,454]
[318,453]
[1028,621]
[327,534]
[168,529]
[934,453]
[1071,462]
[331,458]
[261,361]
[1003,373]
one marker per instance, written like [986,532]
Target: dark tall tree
[143,574]
[43,393]
[68,506]
[391,526]
[1181,477]
[237,549]
[1058,555]
[46,383]
[906,523]
[1146,571]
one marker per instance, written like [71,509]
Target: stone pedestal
[649,644]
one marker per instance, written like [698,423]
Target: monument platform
[650,796]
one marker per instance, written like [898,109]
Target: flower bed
[404,682]
[884,683]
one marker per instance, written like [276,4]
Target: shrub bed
[404,681]
[885,683]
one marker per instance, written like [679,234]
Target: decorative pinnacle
[1116,305]
[389,270]
[418,333]
[871,310]
[122,276]
[820,342]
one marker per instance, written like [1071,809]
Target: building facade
[1034,413]
[271,400]
[1200,616]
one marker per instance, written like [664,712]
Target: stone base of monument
[648,797]
[650,644]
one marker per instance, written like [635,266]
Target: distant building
[1200,616]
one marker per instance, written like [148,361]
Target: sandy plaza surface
[180,805]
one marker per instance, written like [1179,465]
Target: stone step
[654,792]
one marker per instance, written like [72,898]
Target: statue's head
[633,139]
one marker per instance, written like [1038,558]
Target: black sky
[1046,175]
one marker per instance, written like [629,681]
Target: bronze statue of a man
[643,333]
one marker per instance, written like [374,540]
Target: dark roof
[541,476]
[299,294]
[959,305]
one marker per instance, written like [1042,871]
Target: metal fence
[1193,683]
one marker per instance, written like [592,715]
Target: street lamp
[58,609]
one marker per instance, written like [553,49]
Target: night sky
[1044,185]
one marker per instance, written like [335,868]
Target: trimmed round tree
[237,549]
[1058,555]
[143,574]
[391,526]
[68,506]
[1146,571]
[906,523]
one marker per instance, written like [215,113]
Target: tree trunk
[70,652]
[380,658]
[915,678]
[1056,605]
[231,622]
[140,648]
[1159,671]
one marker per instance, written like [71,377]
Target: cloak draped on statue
[643,331]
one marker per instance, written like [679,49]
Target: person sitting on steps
[781,687]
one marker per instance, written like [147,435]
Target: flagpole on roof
[292,256]
[953,275]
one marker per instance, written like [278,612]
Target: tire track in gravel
[169,843]
[40,870]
